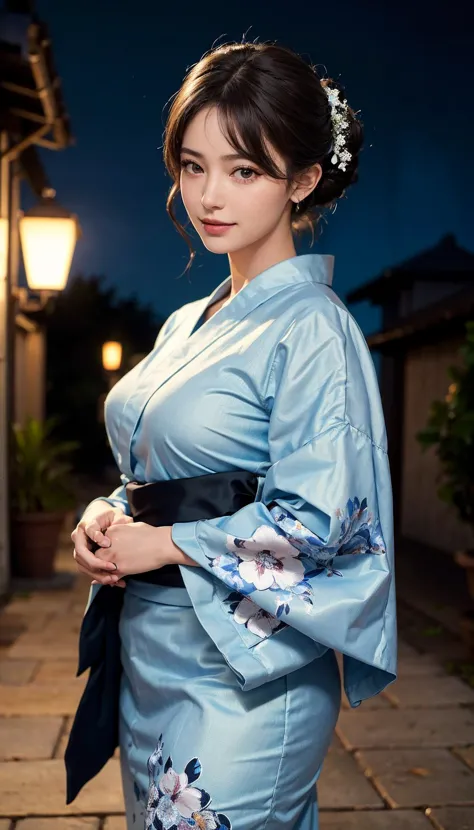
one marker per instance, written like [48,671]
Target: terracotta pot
[35,539]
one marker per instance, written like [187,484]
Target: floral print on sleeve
[246,612]
[284,557]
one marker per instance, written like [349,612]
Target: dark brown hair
[264,91]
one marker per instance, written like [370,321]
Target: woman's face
[231,189]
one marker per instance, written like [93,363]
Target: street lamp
[111,362]
[111,356]
[48,236]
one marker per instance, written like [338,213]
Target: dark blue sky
[409,70]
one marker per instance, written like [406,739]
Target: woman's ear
[306,182]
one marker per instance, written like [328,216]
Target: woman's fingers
[120,584]
[88,560]
[92,529]
[99,571]
[100,579]
[84,556]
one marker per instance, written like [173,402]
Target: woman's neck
[251,261]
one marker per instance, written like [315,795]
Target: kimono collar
[316,268]
[181,349]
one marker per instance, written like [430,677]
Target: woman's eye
[185,164]
[247,173]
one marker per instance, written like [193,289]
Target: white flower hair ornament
[340,128]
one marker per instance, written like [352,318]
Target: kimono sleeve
[315,551]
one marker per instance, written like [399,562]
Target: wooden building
[425,304]
[32,115]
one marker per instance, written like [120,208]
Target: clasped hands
[125,547]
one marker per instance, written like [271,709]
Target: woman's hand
[136,548]
[100,517]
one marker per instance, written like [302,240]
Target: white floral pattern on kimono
[268,559]
[274,559]
[257,620]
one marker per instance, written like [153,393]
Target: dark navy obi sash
[94,733]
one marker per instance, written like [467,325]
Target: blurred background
[91,265]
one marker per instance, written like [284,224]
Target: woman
[230,689]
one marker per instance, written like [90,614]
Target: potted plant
[450,429]
[41,495]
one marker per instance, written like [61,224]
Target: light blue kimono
[278,382]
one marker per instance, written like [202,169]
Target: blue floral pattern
[283,558]
[173,803]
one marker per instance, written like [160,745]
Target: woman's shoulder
[323,343]
[315,312]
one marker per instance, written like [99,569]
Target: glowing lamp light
[3,248]
[111,355]
[48,235]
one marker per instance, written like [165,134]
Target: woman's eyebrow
[227,157]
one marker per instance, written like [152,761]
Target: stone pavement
[402,761]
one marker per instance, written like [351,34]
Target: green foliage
[450,430]
[40,473]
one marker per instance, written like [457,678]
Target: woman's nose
[211,198]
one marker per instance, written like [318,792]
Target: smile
[216,229]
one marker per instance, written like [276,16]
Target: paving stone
[453,818]
[60,699]
[467,754]
[61,747]
[56,671]
[79,608]
[343,784]
[376,820]
[11,627]
[70,823]
[406,728]
[115,823]
[39,604]
[38,788]
[417,777]
[430,692]
[28,738]
[406,650]
[37,645]
[61,625]
[16,672]
[445,648]
[422,664]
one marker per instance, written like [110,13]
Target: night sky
[409,71]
